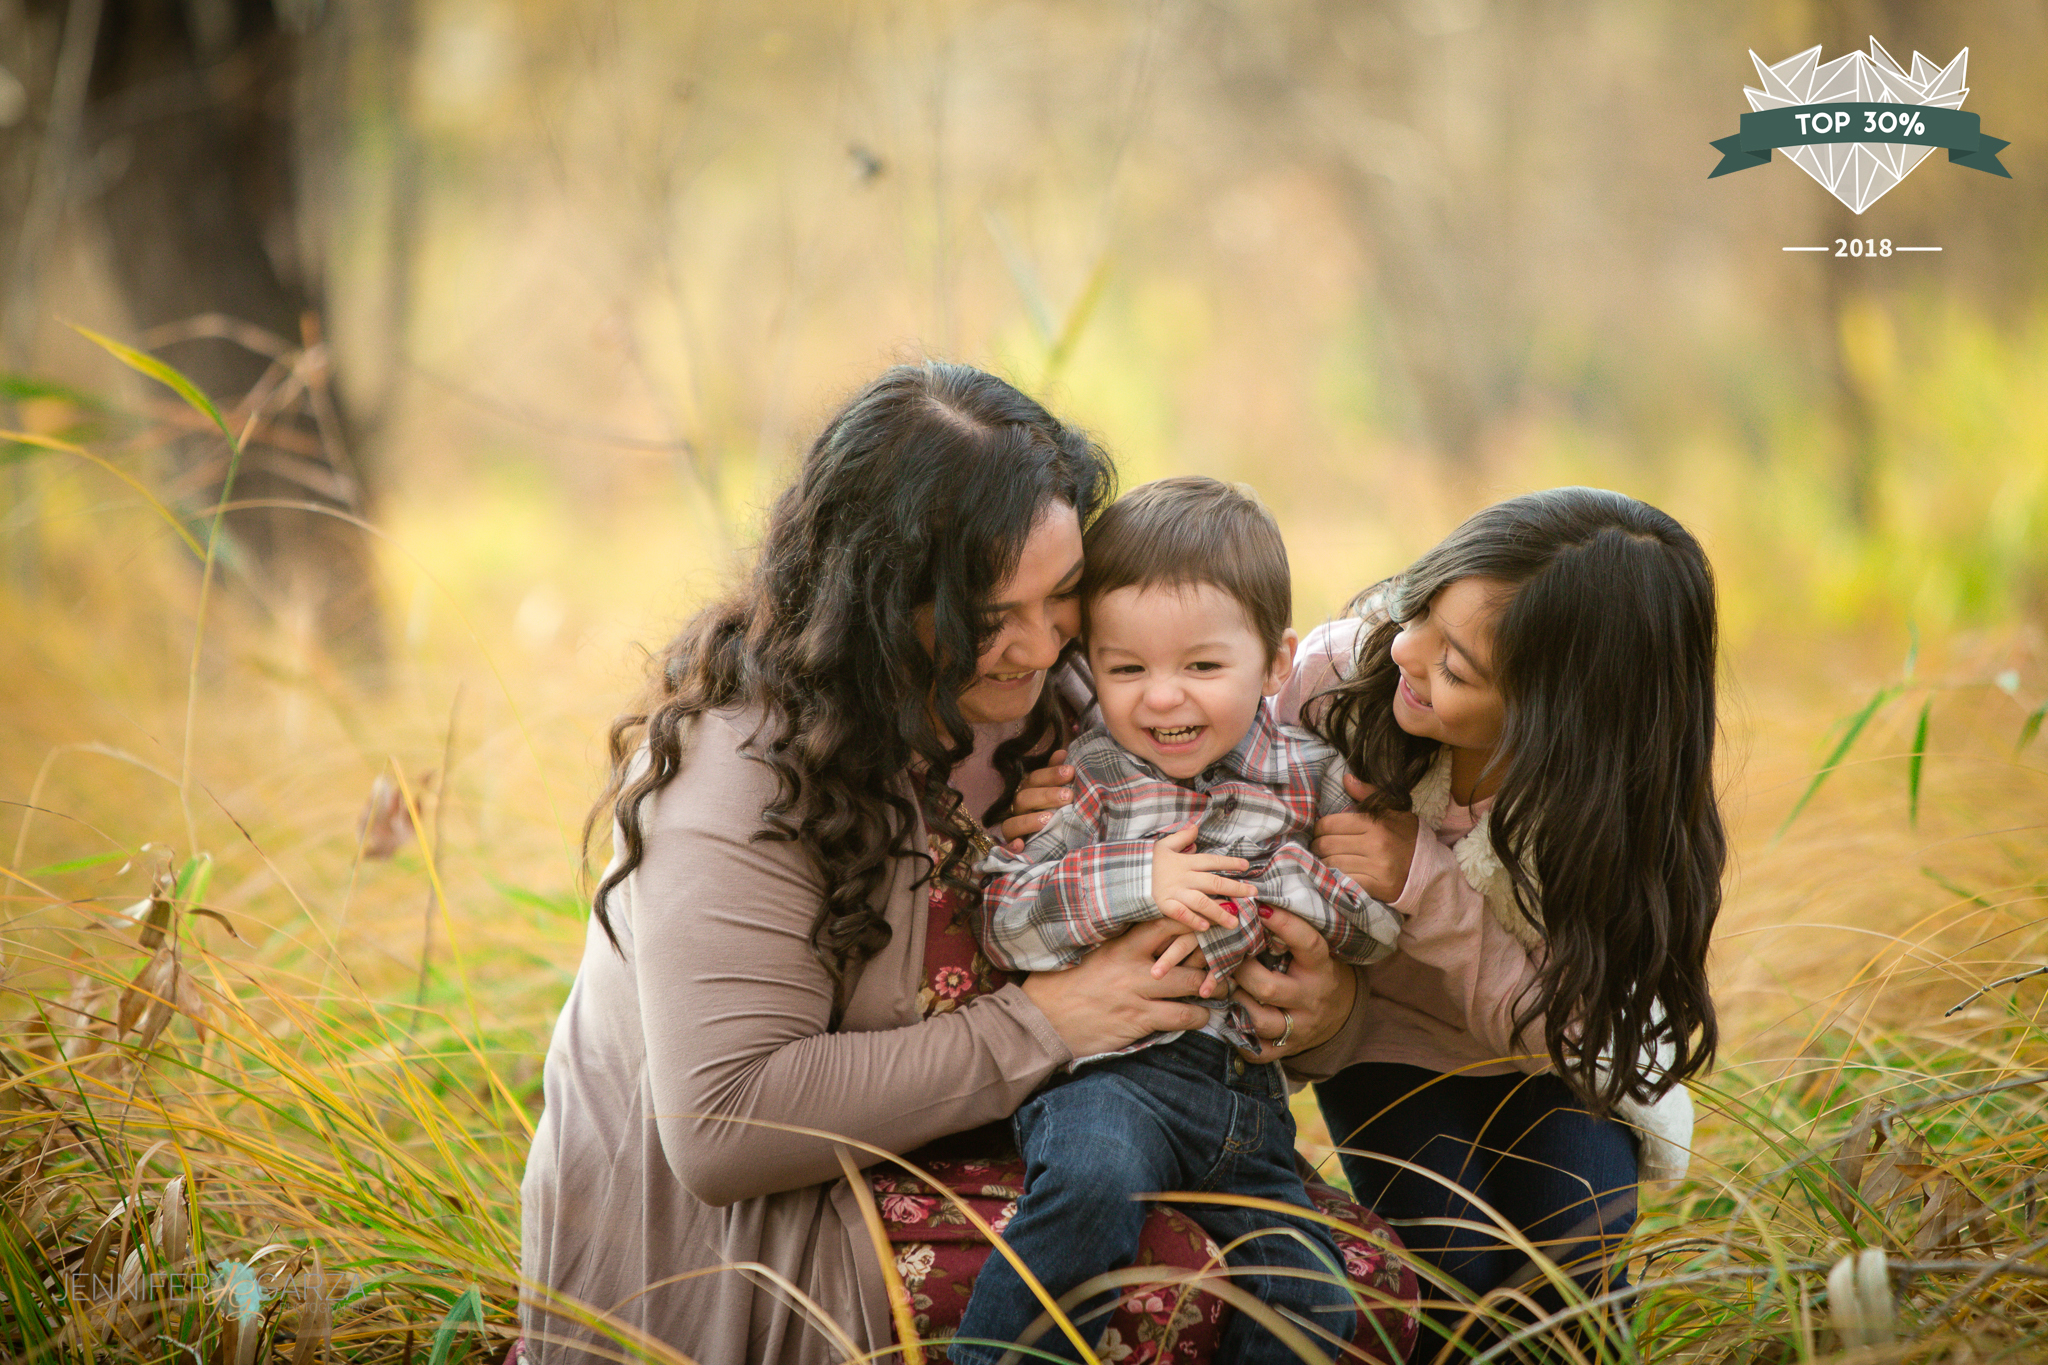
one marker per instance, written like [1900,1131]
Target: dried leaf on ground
[1895,1173]
[1952,1220]
[1847,1166]
[147,1004]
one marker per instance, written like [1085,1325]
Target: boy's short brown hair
[1190,530]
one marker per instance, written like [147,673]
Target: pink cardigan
[1445,999]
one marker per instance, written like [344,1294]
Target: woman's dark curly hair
[1605,818]
[919,494]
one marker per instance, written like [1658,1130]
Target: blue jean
[1186,1115]
[1524,1145]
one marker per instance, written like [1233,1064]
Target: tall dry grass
[281,954]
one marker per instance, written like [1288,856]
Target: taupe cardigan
[719,1009]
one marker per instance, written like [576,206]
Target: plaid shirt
[1087,876]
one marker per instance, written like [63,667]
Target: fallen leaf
[1847,1167]
[172,1230]
[192,1004]
[315,1327]
[146,1005]
[1951,1219]
[1894,1173]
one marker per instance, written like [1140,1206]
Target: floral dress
[939,1252]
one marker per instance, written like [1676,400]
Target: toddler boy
[1187,597]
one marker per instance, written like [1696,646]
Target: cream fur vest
[1665,1124]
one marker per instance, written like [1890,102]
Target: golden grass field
[237,1036]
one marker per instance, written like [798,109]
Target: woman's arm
[734,1007]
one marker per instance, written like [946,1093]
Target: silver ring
[1285,1033]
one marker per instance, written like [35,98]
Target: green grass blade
[1914,764]
[23,388]
[1036,306]
[144,363]
[1856,724]
[1077,320]
[78,864]
[1953,888]
[52,443]
[156,369]
[2030,727]
[194,879]
[469,1306]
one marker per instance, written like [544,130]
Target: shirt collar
[1255,759]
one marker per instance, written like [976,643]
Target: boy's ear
[1282,666]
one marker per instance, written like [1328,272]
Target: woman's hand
[1304,1006]
[1040,794]
[1373,850]
[1110,999]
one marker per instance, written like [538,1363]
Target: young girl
[1531,706]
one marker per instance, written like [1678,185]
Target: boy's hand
[1175,954]
[1183,883]
[1178,952]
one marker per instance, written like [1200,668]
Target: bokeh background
[525,308]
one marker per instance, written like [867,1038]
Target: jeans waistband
[1213,1057]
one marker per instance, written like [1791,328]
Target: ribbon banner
[1806,124]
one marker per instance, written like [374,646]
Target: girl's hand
[1307,1003]
[1040,794]
[1110,999]
[1373,850]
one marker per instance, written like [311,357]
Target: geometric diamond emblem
[1858,173]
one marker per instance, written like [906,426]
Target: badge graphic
[1859,124]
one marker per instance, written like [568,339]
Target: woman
[1532,707]
[797,807]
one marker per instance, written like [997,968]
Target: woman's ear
[1281,667]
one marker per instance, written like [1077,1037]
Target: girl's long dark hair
[920,493]
[1605,819]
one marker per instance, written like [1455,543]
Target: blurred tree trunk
[35,141]
[1359,92]
[191,147]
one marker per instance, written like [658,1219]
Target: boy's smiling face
[1180,672]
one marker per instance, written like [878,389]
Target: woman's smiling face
[1037,609]
[1446,690]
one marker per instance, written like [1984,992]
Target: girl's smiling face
[1446,690]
